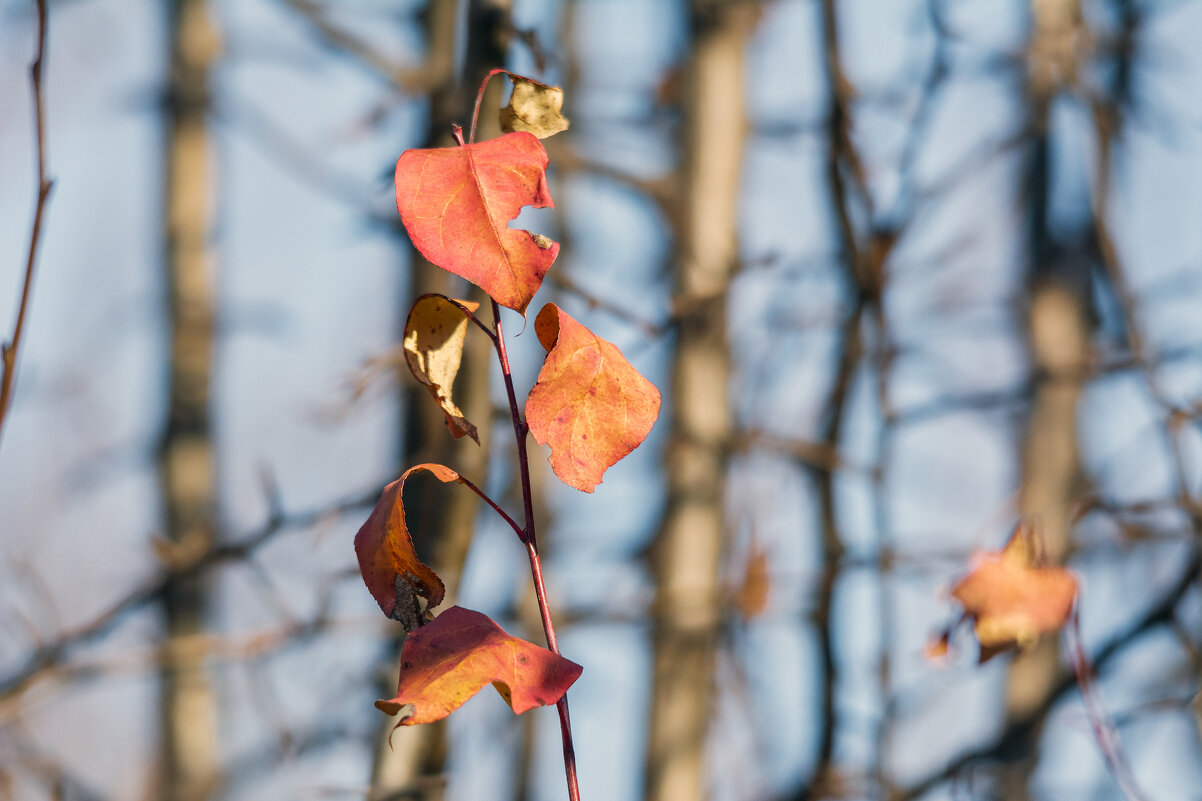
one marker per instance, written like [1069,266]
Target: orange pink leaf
[589,404]
[1012,599]
[456,204]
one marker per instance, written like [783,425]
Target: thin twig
[484,497]
[471,138]
[49,655]
[844,175]
[530,540]
[1103,727]
[362,52]
[9,350]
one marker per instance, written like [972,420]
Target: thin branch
[649,329]
[504,515]
[51,654]
[1104,729]
[362,52]
[844,174]
[530,540]
[471,138]
[9,351]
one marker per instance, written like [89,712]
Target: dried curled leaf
[534,108]
[589,404]
[393,573]
[1011,598]
[449,660]
[434,335]
[456,204]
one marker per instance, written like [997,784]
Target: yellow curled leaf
[434,335]
[534,108]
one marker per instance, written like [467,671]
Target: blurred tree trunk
[442,519]
[1058,337]
[186,459]
[688,551]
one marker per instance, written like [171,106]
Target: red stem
[9,350]
[483,496]
[1104,729]
[471,138]
[519,431]
[530,538]
[470,315]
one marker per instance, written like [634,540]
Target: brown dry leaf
[751,597]
[434,335]
[1012,598]
[534,108]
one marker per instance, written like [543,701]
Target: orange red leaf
[447,661]
[456,204]
[388,562]
[1012,599]
[589,404]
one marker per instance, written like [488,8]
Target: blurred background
[906,272]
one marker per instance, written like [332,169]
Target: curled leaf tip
[398,580]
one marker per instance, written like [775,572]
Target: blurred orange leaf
[751,597]
[1011,598]
[589,404]
[434,335]
[447,661]
[939,646]
[456,204]
[387,560]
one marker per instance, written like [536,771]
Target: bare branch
[9,350]
[52,654]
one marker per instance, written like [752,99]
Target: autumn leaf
[535,108]
[1011,598]
[447,661]
[752,594]
[456,204]
[589,404]
[389,564]
[434,335]
[939,646]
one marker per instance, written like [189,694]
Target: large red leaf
[1011,598]
[447,661]
[387,560]
[456,203]
[589,404]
